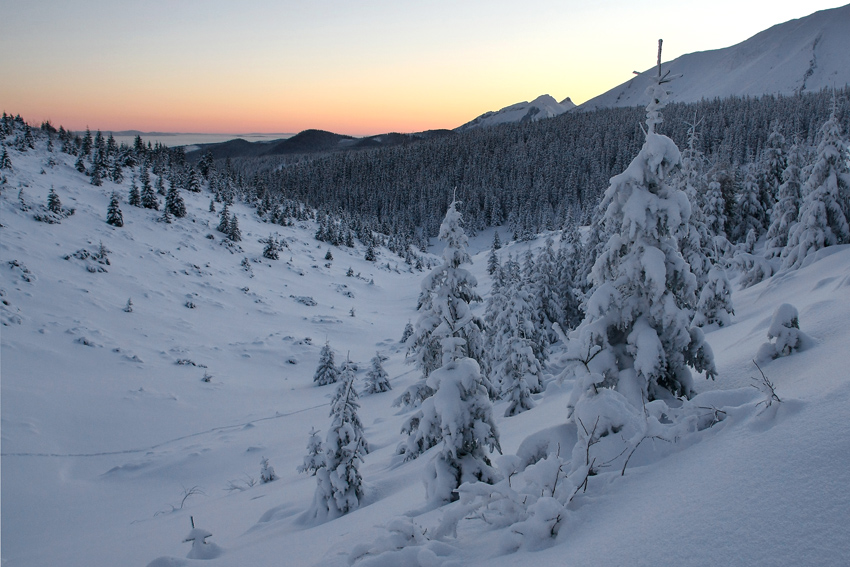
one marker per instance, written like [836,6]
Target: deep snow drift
[112,440]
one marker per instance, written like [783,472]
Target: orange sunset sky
[357,68]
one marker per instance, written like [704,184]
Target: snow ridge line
[158,445]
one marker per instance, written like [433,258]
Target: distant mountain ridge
[544,106]
[310,142]
[803,55]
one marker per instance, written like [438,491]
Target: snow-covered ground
[112,443]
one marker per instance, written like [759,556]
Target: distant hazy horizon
[172,139]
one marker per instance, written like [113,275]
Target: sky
[358,68]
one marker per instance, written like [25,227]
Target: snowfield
[114,447]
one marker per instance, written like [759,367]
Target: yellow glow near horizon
[364,68]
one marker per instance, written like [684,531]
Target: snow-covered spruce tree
[715,300]
[377,379]
[544,296]
[714,209]
[773,163]
[569,295]
[113,213]
[636,342]
[193,181]
[54,205]
[174,202]
[460,416]
[314,459]
[785,332]
[407,333]
[787,208]
[444,310]
[492,262]
[326,372]
[825,210]
[443,313]
[516,369]
[752,214]
[271,249]
[224,220]
[233,232]
[5,160]
[339,486]
[267,473]
[149,199]
[695,243]
[134,197]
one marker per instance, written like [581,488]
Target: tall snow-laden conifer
[444,314]
[516,368]
[224,220]
[339,486]
[444,309]
[636,342]
[787,207]
[825,211]
[459,416]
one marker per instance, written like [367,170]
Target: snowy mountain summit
[544,106]
[803,55]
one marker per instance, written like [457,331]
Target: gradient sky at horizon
[355,68]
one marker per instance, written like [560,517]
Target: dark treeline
[531,176]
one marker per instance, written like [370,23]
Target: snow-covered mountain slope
[801,55]
[112,443]
[544,106]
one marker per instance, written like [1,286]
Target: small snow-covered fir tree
[113,213]
[714,209]
[825,210]
[715,300]
[785,333]
[149,199]
[516,369]
[270,251]
[174,203]
[326,372]
[54,205]
[5,160]
[752,215]
[377,379]
[787,208]
[233,232]
[339,486]
[134,197]
[407,333]
[267,473]
[544,297]
[314,459]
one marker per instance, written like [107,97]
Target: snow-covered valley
[122,428]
